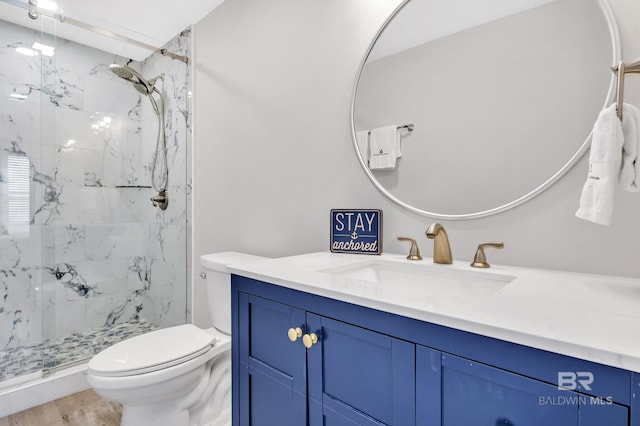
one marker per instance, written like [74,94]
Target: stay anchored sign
[356,231]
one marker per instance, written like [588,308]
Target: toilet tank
[217,280]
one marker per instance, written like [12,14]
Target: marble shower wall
[81,246]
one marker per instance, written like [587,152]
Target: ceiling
[137,28]
[129,28]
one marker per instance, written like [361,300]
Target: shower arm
[154,80]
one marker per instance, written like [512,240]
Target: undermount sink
[433,282]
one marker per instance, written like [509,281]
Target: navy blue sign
[356,231]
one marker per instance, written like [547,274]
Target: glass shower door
[23,171]
[86,260]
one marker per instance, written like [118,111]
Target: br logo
[568,380]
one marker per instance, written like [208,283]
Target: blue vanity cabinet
[369,367]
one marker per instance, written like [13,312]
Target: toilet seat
[152,351]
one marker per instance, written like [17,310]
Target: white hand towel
[384,143]
[362,137]
[630,172]
[596,201]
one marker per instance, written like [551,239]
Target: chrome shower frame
[34,12]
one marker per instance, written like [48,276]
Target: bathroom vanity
[332,339]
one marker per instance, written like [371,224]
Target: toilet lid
[152,351]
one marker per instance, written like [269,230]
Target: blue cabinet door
[477,394]
[272,377]
[359,377]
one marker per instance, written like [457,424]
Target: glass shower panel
[53,97]
[89,234]
[21,170]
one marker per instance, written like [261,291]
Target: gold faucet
[441,248]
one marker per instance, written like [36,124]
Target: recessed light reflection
[47,5]
[100,122]
[18,96]
[26,51]
[44,49]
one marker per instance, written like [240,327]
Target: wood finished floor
[81,409]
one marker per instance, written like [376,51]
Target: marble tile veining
[79,250]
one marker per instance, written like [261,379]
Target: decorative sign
[356,231]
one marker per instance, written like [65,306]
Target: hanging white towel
[362,137]
[384,143]
[596,201]
[630,172]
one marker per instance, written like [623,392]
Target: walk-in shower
[148,88]
[84,260]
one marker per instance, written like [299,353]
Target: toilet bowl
[176,376]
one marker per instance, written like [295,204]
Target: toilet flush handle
[203,275]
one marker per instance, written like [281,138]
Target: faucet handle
[480,260]
[414,251]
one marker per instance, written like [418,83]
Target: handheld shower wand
[147,87]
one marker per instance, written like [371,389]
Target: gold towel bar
[621,69]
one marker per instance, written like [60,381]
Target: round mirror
[464,109]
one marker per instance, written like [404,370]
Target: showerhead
[142,85]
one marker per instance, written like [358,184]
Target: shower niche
[85,258]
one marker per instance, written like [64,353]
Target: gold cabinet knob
[309,340]
[294,333]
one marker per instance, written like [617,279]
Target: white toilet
[177,376]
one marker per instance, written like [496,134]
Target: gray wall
[273,151]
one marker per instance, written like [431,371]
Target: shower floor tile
[66,350]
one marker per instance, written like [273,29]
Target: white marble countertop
[591,317]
